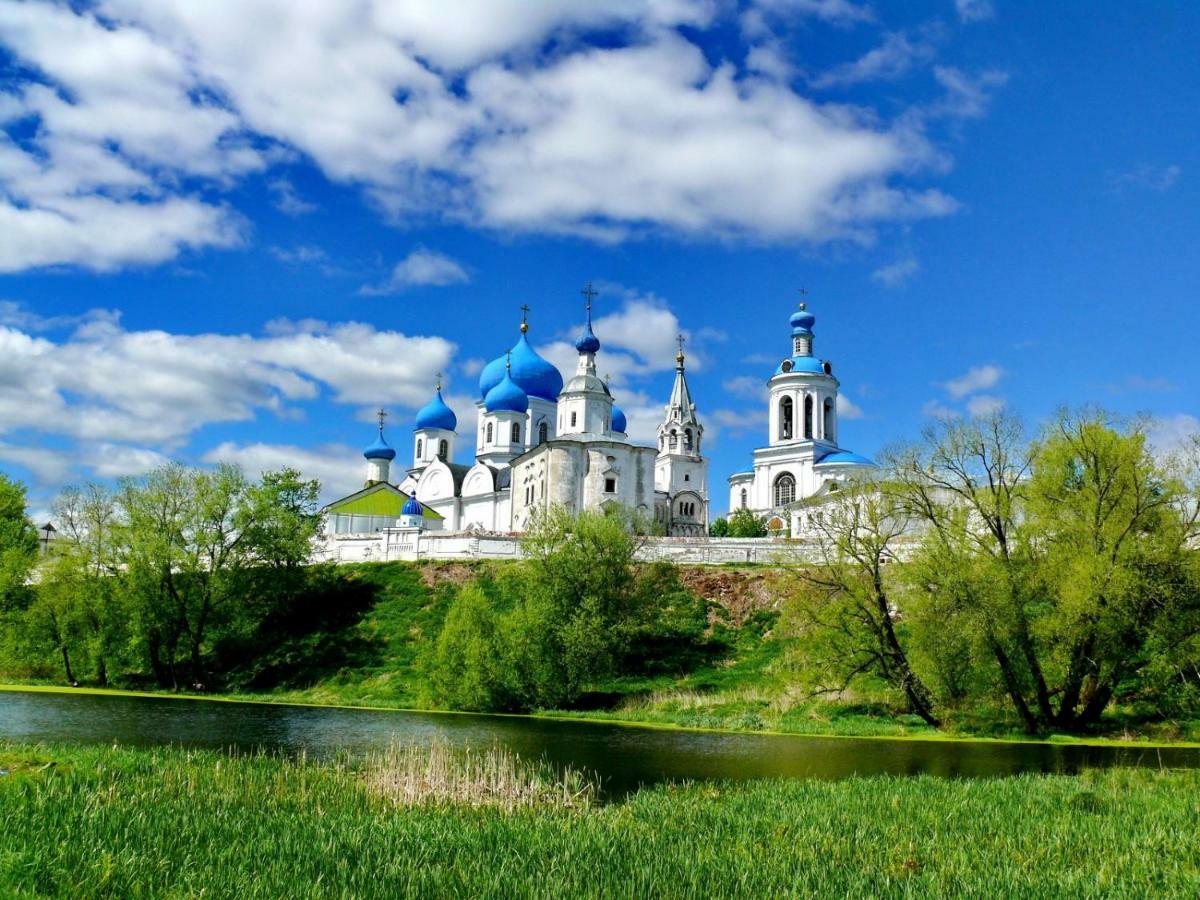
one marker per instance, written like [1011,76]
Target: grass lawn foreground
[119,822]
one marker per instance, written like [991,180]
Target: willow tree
[1060,559]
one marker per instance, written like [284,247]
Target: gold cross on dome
[803,293]
[381,414]
[591,293]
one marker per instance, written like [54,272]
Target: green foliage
[1058,573]
[18,545]
[105,822]
[719,527]
[743,523]
[579,610]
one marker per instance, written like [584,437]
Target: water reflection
[624,757]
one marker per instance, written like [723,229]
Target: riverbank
[836,723]
[121,822]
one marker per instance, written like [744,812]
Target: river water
[624,757]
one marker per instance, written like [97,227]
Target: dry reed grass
[441,774]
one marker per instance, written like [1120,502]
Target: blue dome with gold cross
[436,414]
[535,376]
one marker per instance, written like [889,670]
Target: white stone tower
[679,470]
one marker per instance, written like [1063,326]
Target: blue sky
[233,230]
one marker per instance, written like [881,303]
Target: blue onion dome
[618,420]
[436,414]
[588,342]
[803,320]
[379,449]
[534,375]
[412,507]
[507,396]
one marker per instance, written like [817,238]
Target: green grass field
[136,823]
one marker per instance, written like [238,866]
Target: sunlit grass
[129,823]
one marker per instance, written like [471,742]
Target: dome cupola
[436,414]
[379,449]
[507,396]
[536,376]
[619,424]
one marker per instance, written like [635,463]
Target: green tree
[743,523]
[719,527]
[1060,559]
[18,545]
[843,612]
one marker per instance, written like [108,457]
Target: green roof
[379,499]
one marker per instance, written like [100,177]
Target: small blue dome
[845,458]
[436,414]
[412,507]
[380,449]
[507,395]
[809,365]
[618,420]
[533,374]
[588,342]
[802,321]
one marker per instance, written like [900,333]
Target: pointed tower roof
[681,408]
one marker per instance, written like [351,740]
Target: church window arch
[674,439]
[443,449]
[489,433]
[745,498]
[808,416]
[785,489]
[785,418]
[574,419]
[543,433]
[687,439]
[420,448]
[516,432]
[827,422]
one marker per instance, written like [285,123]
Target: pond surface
[624,757]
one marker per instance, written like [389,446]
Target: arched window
[687,439]
[674,439]
[785,418]
[443,449]
[543,433]
[745,499]
[420,448]
[808,416]
[573,419]
[827,422]
[516,433]
[488,439]
[785,489]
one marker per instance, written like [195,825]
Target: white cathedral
[538,442]
[802,459]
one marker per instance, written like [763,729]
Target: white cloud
[301,253]
[984,404]
[936,410]
[421,268]
[896,56]
[143,110]
[104,383]
[847,408]
[1151,178]
[966,96]
[976,378]
[287,199]
[747,386]
[897,273]
[338,467]
[1168,434]
[742,421]
[974,10]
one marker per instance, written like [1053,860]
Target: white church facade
[803,459]
[539,442]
